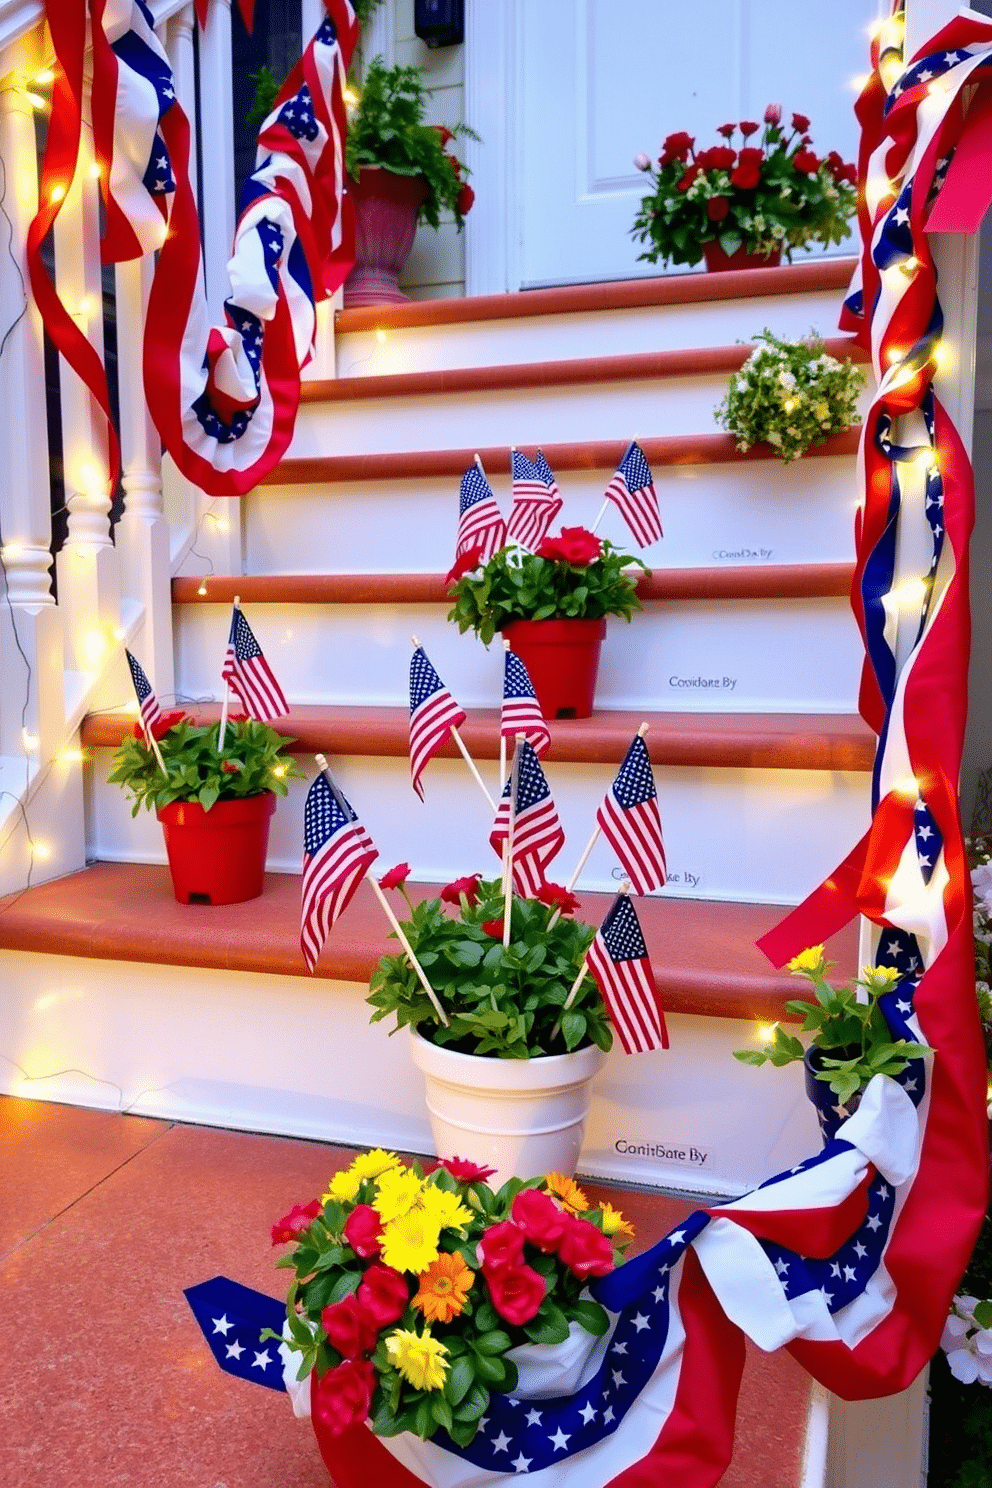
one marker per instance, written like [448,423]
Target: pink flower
[500,1246]
[362,1229]
[558,896]
[540,1219]
[395,877]
[642,161]
[517,1293]
[585,1250]
[350,1327]
[293,1224]
[466,1172]
[343,1396]
[773,113]
[384,1294]
[452,892]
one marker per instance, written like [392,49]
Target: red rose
[451,893]
[773,113]
[395,877]
[688,178]
[676,147]
[162,726]
[726,130]
[717,208]
[342,1398]
[384,1294]
[293,1224]
[229,767]
[542,1222]
[494,928]
[800,122]
[362,1229]
[748,127]
[500,1247]
[350,1327]
[559,896]
[465,200]
[517,1293]
[444,132]
[720,157]
[585,1250]
[807,162]
[466,1172]
[746,176]
[572,545]
[464,564]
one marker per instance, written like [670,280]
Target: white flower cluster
[791,395]
[967,1341]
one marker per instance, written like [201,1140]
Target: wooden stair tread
[784,741]
[642,366]
[759,581]
[598,454]
[703,953]
[625,294]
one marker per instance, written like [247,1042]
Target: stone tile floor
[108,1383]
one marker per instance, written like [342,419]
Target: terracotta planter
[385,224]
[829,1113]
[562,657]
[522,1117]
[218,856]
[717,261]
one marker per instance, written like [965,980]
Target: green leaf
[983,1313]
[594,1318]
[441,1410]
[550,1326]
[346,1283]
[461,1378]
[494,1341]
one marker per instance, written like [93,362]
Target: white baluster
[179,48]
[217,130]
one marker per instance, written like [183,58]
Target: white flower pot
[523,1117]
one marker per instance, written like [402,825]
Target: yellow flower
[614,1223]
[444,1288]
[810,960]
[410,1242]
[343,1186]
[372,1164]
[396,1192]
[568,1191]
[446,1209]
[880,978]
[420,1359]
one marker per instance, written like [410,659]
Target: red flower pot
[385,224]
[717,260]
[218,856]
[562,657]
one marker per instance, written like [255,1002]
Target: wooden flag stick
[601,515]
[624,889]
[152,743]
[502,739]
[227,699]
[508,866]
[644,728]
[324,769]
[465,754]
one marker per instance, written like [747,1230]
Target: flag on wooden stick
[631,821]
[148,703]
[536,500]
[249,675]
[618,959]
[433,715]
[480,522]
[337,853]
[521,710]
[537,831]
[633,494]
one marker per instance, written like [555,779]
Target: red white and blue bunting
[223,398]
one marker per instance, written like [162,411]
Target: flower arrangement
[853,1038]
[196,769]
[412,1289]
[505,1002]
[791,394]
[777,194]
[387,129]
[575,575]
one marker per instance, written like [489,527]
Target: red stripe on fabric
[821,914]
[202,6]
[810,1232]
[247,9]
[356,1458]
[695,1445]
[891,828]
[120,241]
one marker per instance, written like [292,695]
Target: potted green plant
[510,1047]
[551,606]
[214,804]
[400,174]
[740,208]
[418,1297]
[851,1043]
[791,395]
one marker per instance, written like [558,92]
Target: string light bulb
[96,170]
[45,76]
[909,787]
[57,194]
[35,99]
[202,589]
[766,1032]
[42,851]
[29,741]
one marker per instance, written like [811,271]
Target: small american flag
[537,832]
[433,714]
[632,492]
[147,701]
[536,501]
[250,675]
[618,959]
[480,522]
[631,821]
[521,711]
[337,853]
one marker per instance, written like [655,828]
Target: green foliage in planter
[196,770]
[791,394]
[567,578]
[503,1003]
[840,1024]
[387,129]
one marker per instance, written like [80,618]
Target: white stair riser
[257,1052]
[753,656]
[756,836]
[713,515]
[584,334]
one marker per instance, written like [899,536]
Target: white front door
[594,82]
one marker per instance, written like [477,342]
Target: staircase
[745,662]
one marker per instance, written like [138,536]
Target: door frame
[492,231]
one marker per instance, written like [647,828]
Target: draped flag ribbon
[224,398]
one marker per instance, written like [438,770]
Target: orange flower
[444,1288]
[568,1191]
